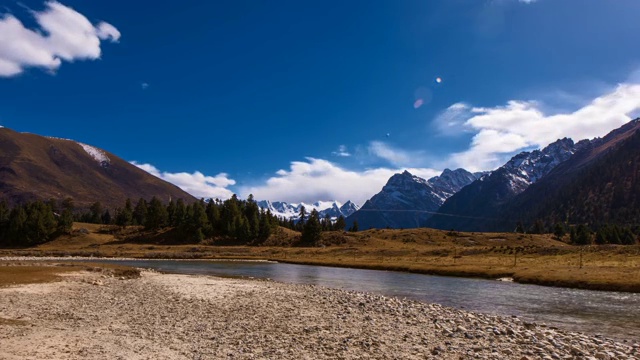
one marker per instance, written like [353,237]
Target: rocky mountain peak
[407,200]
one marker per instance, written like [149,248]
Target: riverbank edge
[479,274]
[521,279]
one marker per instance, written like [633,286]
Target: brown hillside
[36,167]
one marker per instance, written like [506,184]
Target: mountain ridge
[497,203]
[291,211]
[406,201]
[34,167]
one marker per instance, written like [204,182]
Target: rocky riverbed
[161,316]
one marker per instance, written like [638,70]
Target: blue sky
[317,100]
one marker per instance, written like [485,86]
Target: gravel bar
[166,316]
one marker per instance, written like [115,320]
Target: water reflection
[613,314]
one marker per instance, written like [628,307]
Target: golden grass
[16,274]
[527,258]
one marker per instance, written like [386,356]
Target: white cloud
[396,157]
[451,121]
[63,34]
[503,130]
[317,179]
[342,151]
[196,184]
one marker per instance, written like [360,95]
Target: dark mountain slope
[35,167]
[476,206]
[600,184]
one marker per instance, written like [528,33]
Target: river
[613,314]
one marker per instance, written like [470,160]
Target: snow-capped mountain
[292,211]
[406,201]
[479,201]
[526,168]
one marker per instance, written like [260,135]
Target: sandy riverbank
[157,316]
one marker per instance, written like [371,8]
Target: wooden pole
[581,258]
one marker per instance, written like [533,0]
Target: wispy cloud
[394,156]
[342,151]
[451,121]
[63,35]
[196,183]
[503,130]
[318,179]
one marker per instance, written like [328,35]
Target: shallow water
[612,314]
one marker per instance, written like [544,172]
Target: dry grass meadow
[536,259]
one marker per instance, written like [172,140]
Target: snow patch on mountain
[333,209]
[406,201]
[527,167]
[96,154]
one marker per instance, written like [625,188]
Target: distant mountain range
[34,167]
[407,201]
[591,182]
[479,202]
[599,184]
[292,211]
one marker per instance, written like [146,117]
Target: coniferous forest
[239,222]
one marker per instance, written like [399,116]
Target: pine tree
[264,227]
[156,215]
[199,220]
[326,223]
[583,235]
[65,221]
[140,212]
[312,229]
[17,223]
[340,224]
[180,214]
[171,212]
[124,217]
[106,217]
[355,227]
[302,216]
[573,235]
[627,237]
[559,231]
[96,213]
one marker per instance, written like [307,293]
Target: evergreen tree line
[35,222]
[584,235]
[241,221]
